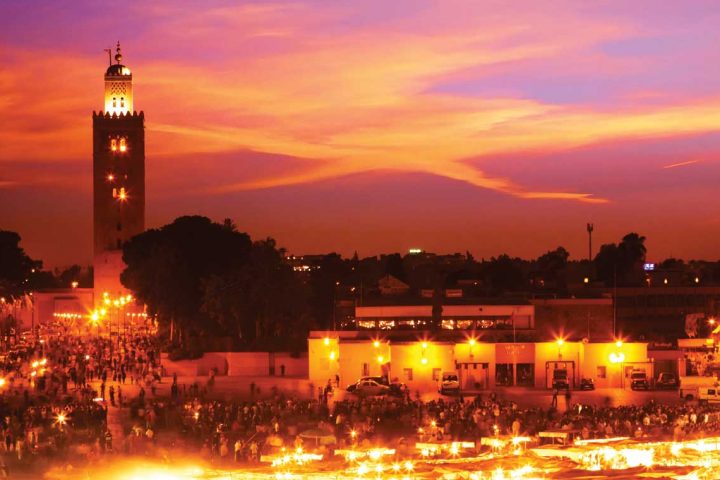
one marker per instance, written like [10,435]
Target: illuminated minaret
[118,177]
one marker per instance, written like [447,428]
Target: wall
[440,357]
[238,364]
[71,300]
[199,366]
[320,366]
[355,353]
[108,265]
[471,360]
[248,363]
[294,366]
[634,355]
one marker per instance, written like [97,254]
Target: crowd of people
[56,393]
[55,390]
[245,430]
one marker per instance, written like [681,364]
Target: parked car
[449,382]
[368,387]
[667,381]
[587,384]
[378,379]
[638,380]
[560,379]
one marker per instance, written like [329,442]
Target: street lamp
[560,342]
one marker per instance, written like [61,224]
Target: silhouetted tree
[16,267]
[326,282]
[394,266]
[261,299]
[166,268]
[504,274]
[622,263]
[552,266]
[606,263]
[632,252]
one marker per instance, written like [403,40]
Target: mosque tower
[118,178]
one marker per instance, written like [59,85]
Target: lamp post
[334,305]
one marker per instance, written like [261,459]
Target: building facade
[418,359]
[118,178]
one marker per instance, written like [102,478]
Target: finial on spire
[109,52]
[118,55]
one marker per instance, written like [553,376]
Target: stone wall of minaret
[118,178]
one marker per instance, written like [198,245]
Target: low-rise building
[419,358]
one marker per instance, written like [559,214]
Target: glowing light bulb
[61,419]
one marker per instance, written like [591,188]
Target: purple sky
[494,127]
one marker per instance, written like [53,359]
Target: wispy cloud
[681,164]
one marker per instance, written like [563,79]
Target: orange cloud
[348,103]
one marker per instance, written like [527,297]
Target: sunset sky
[488,126]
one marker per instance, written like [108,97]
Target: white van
[709,395]
[449,382]
[690,386]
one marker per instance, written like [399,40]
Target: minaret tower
[118,178]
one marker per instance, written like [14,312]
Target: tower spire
[118,55]
[109,52]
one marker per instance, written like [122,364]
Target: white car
[368,386]
[449,382]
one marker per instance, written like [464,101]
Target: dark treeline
[20,274]
[213,287]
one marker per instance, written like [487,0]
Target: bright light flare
[61,419]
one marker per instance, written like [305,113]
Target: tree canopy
[206,279]
[16,267]
[622,264]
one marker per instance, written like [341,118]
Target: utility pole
[590,228]
[615,301]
